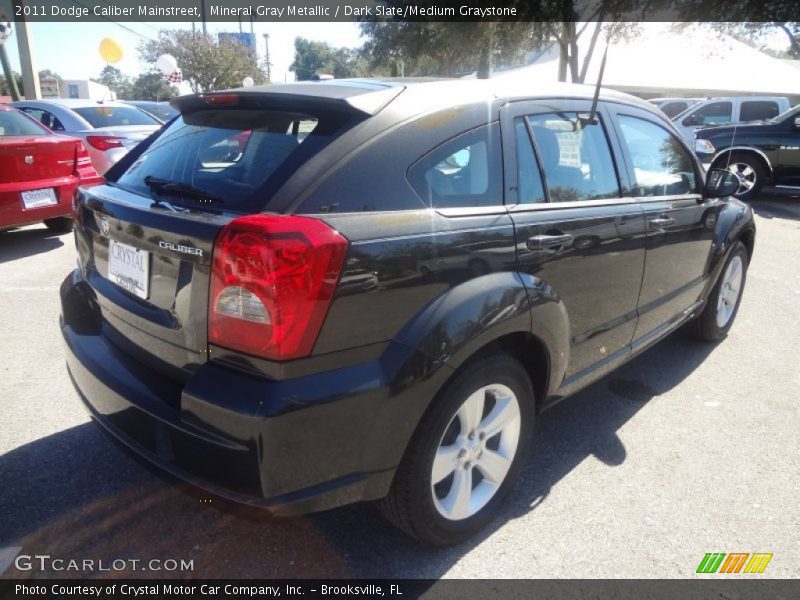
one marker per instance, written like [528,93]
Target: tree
[755,33]
[152,86]
[453,48]
[312,57]
[116,81]
[6,88]
[206,64]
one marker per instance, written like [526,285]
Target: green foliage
[206,64]
[116,81]
[5,88]
[152,86]
[312,58]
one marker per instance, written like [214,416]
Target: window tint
[714,113]
[576,160]
[662,166]
[755,110]
[463,172]
[672,109]
[114,116]
[12,123]
[227,153]
[530,187]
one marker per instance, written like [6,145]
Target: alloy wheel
[746,174]
[476,452]
[729,291]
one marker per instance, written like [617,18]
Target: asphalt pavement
[688,449]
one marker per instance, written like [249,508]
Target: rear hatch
[146,238]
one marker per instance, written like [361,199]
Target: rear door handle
[661,222]
[538,242]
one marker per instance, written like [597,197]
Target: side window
[576,160]
[46,118]
[463,172]
[755,110]
[529,178]
[662,166]
[714,113]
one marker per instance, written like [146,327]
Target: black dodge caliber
[305,295]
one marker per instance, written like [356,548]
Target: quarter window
[463,172]
[576,159]
[661,164]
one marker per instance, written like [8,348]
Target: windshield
[226,153]
[114,116]
[785,115]
[14,123]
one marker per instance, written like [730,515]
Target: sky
[72,49]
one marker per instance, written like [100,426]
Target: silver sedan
[108,129]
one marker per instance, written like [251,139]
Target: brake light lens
[272,281]
[104,142]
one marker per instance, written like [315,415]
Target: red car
[39,171]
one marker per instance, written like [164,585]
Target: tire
[59,224]
[749,168]
[712,325]
[418,507]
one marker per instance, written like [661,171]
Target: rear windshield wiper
[178,188]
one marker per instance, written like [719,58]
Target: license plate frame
[40,198]
[129,268]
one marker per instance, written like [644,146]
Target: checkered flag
[175,76]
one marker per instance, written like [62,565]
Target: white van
[736,109]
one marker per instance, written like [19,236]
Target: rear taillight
[271,284]
[84,169]
[104,142]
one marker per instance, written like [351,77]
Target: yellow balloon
[110,50]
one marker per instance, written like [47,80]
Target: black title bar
[399,10]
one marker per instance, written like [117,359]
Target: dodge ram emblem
[104,226]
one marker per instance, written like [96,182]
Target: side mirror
[797,122]
[721,183]
[690,121]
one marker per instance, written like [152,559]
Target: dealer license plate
[39,198]
[129,268]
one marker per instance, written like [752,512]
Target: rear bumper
[13,212]
[292,446]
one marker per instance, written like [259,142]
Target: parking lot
[688,449]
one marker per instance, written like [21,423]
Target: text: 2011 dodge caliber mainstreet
[305,295]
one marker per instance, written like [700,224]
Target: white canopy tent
[662,61]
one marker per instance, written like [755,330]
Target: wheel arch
[758,154]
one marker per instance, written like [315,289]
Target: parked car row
[39,172]
[755,137]
[49,147]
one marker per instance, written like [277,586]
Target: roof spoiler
[368,99]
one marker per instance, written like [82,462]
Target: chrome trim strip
[749,148]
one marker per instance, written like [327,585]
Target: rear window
[115,116]
[672,109]
[13,123]
[230,154]
[162,110]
